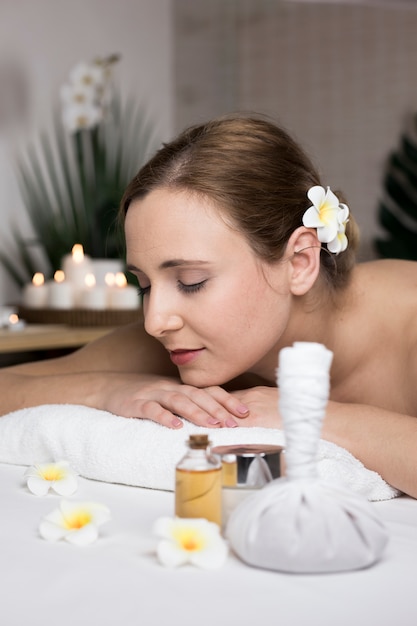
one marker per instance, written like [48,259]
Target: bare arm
[384,441]
[127,373]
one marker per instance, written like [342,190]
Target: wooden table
[49,337]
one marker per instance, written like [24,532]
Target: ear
[303,252]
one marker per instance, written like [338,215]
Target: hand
[262,403]
[164,400]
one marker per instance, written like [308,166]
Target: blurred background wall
[340,75]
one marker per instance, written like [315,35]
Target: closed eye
[193,288]
[142,291]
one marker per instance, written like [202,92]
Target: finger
[230,402]
[198,406]
[154,411]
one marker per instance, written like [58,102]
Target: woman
[239,251]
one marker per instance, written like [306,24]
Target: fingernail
[213,421]
[242,409]
[176,422]
[230,423]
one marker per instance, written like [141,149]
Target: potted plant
[73,176]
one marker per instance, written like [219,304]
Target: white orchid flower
[56,476]
[88,74]
[75,522]
[79,94]
[196,541]
[329,217]
[81,116]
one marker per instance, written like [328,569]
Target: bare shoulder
[391,269]
[399,273]
[126,349]
[388,290]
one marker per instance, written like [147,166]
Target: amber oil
[198,482]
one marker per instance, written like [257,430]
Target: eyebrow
[171,263]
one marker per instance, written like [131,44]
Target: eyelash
[181,287]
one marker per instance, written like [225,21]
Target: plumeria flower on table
[56,476]
[329,217]
[75,522]
[196,541]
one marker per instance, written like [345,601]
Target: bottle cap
[198,441]
[256,465]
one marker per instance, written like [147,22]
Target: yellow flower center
[52,473]
[82,121]
[77,520]
[190,539]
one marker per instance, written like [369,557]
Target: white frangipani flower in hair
[196,541]
[329,217]
[75,522]
[56,476]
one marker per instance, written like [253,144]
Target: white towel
[105,447]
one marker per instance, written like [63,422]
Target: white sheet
[117,580]
[138,452]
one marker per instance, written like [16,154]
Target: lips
[183,357]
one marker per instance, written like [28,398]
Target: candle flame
[59,276]
[90,280]
[77,253]
[120,279]
[109,279]
[38,279]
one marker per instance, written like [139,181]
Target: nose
[160,314]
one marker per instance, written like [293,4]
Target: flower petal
[317,195]
[82,537]
[51,531]
[170,555]
[78,511]
[311,218]
[38,486]
[66,486]
[212,558]
[327,233]
[331,200]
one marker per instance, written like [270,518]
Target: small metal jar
[246,469]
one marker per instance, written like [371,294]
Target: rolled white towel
[103,446]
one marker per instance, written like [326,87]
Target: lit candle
[122,295]
[5,313]
[76,266]
[102,267]
[93,296]
[61,292]
[35,294]
[15,324]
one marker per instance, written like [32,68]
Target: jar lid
[255,464]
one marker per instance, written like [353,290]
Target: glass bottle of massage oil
[198,482]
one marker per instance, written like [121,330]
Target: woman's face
[217,309]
